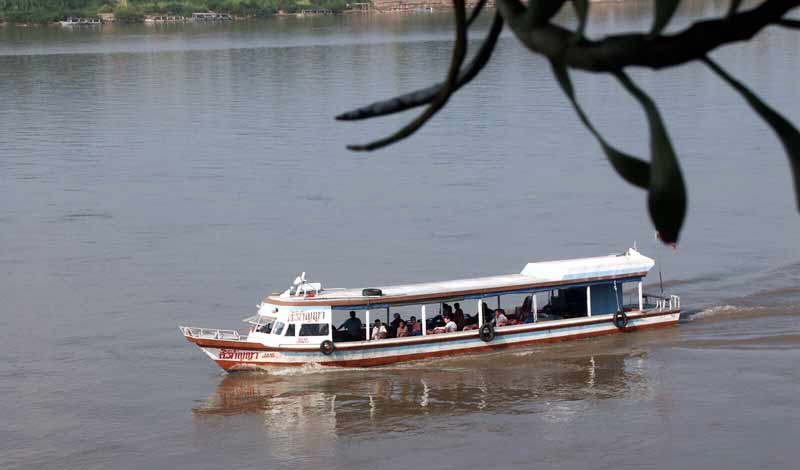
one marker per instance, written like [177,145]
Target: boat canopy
[545,275]
[623,264]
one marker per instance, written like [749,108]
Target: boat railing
[210,333]
[661,302]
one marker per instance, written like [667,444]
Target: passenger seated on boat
[431,323]
[414,327]
[402,329]
[458,316]
[488,314]
[523,314]
[500,317]
[265,328]
[394,324]
[352,325]
[379,330]
[447,310]
[449,326]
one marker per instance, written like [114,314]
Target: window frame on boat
[306,326]
[426,313]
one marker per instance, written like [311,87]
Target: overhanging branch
[427,95]
[618,51]
[447,90]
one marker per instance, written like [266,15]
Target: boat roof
[534,276]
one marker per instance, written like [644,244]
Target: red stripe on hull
[230,365]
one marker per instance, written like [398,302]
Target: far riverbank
[89,12]
[139,11]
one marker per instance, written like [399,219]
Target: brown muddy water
[151,177]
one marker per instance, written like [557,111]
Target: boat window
[278,329]
[512,309]
[290,330]
[314,329]
[265,328]
[262,324]
[345,329]
[567,302]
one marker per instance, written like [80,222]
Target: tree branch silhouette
[568,49]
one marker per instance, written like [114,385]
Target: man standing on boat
[352,325]
[458,316]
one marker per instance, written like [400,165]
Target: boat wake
[731,311]
[715,311]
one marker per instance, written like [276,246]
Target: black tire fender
[486,333]
[620,320]
[327,347]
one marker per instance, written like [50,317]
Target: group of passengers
[499,317]
[451,319]
[398,328]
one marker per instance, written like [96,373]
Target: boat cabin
[307,313]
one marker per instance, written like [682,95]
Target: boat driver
[352,325]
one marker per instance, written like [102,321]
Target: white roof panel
[629,263]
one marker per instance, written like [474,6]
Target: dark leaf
[787,23]
[582,11]
[459,51]
[476,12]
[790,137]
[667,197]
[631,169]
[426,95]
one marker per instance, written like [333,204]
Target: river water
[151,177]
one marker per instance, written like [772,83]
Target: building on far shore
[211,16]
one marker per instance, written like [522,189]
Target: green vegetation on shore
[45,11]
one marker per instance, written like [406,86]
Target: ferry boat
[547,301]
[76,21]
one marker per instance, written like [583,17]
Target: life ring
[486,333]
[620,320]
[327,347]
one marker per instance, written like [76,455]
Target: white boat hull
[234,355]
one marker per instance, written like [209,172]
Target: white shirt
[450,327]
[377,330]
